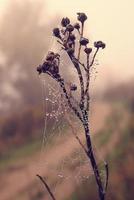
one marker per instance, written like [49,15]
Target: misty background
[25,35]
[25,38]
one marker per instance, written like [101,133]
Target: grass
[9,158]
[123,145]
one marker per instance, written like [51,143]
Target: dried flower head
[69,28]
[82,17]
[50,65]
[88,50]
[77,26]
[50,56]
[84,41]
[39,69]
[72,37]
[56,32]
[70,44]
[99,44]
[65,21]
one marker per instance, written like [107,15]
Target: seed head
[84,41]
[88,50]
[69,28]
[39,69]
[77,26]
[72,37]
[99,44]
[65,21]
[46,66]
[50,56]
[56,32]
[82,17]
[70,43]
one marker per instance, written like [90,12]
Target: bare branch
[76,136]
[74,61]
[81,35]
[47,187]
[107,176]
[62,84]
[94,57]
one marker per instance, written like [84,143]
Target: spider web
[62,159]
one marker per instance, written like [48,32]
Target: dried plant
[72,41]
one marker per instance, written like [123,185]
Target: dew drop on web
[62,159]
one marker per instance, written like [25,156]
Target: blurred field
[21,167]
[112,135]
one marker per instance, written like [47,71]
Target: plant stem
[93,162]
[47,187]
[81,35]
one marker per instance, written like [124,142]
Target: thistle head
[81,17]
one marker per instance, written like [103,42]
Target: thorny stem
[47,187]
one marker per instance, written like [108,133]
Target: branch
[62,84]
[82,64]
[94,57]
[76,65]
[87,83]
[81,35]
[47,187]
[76,136]
[107,176]
[88,77]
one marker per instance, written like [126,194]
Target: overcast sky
[108,20]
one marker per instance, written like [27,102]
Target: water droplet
[60,175]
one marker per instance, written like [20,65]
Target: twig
[76,65]
[82,64]
[62,85]
[87,83]
[81,35]
[107,176]
[76,136]
[94,57]
[47,187]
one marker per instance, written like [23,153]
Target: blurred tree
[23,40]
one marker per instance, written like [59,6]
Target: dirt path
[24,173]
